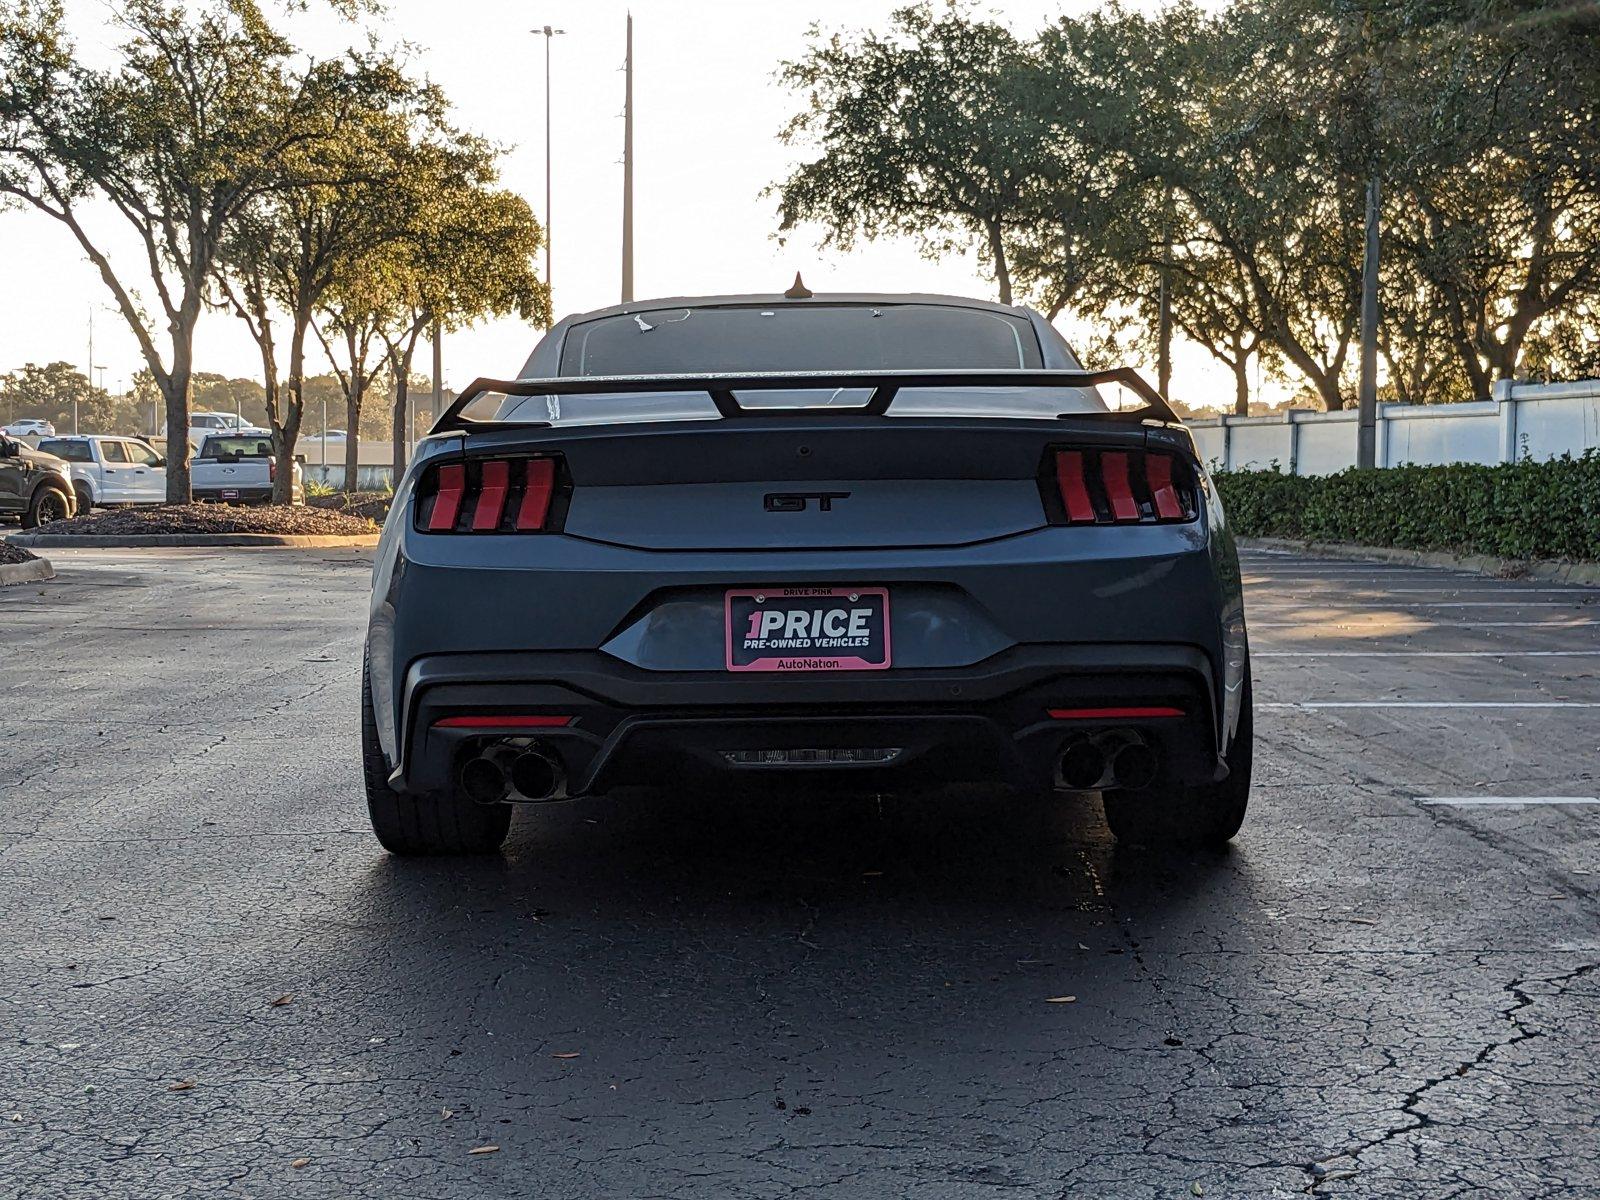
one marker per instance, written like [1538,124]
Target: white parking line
[1425,654]
[1507,800]
[1334,602]
[1379,623]
[1495,704]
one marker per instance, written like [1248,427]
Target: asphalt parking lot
[216,983]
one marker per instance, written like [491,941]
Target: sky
[707,113]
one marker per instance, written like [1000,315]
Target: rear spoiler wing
[884,385]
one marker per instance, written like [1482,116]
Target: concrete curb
[26,572]
[1585,573]
[64,541]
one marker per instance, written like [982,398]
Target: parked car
[872,542]
[29,427]
[111,470]
[203,424]
[37,487]
[238,468]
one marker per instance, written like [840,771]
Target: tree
[471,257]
[192,126]
[929,131]
[56,392]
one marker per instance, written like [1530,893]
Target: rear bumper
[990,721]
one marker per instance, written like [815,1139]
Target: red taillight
[492,495]
[1120,487]
[272,470]
[539,483]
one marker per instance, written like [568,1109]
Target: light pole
[549,282]
[627,170]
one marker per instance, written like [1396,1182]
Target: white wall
[1523,421]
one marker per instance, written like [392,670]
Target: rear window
[800,337]
[71,451]
[756,339]
[236,447]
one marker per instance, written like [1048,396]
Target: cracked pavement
[1368,996]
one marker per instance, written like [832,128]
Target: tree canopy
[1221,159]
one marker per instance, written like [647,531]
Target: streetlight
[549,35]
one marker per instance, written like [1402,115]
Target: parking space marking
[1494,704]
[1467,801]
[1379,623]
[1425,654]
[1335,602]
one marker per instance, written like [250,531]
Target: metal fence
[1524,420]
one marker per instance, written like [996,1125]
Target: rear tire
[446,823]
[85,499]
[1202,814]
[48,504]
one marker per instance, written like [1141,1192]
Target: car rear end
[238,468]
[897,589]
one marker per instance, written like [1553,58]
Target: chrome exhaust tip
[483,780]
[1081,766]
[536,776]
[1134,766]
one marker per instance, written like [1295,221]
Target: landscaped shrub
[1516,510]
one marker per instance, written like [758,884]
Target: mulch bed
[296,520]
[11,555]
[373,505]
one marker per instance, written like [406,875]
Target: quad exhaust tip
[505,773]
[1092,764]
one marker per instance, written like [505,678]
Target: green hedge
[1516,510]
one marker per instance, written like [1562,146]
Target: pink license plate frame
[824,658]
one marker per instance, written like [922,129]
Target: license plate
[230,493]
[808,628]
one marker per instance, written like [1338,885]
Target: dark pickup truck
[37,487]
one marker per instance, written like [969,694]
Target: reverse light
[1119,487]
[489,495]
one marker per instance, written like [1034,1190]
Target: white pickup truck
[111,470]
[238,468]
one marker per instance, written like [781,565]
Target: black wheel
[48,504]
[85,498]
[1204,814]
[447,823]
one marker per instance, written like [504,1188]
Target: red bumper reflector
[502,721]
[452,480]
[491,494]
[541,482]
[1134,713]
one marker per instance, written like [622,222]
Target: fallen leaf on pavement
[484,1150]
[183,1085]
[566,1054]
[447,1113]
[1362,921]
[300,1162]
[286,998]
[1061,1000]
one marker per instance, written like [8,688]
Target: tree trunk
[402,395]
[1002,270]
[1241,385]
[283,483]
[175,391]
[352,435]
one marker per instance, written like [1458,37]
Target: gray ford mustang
[864,542]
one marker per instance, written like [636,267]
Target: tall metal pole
[1164,307]
[438,370]
[1367,433]
[88,373]
[549,274]
[627,171]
